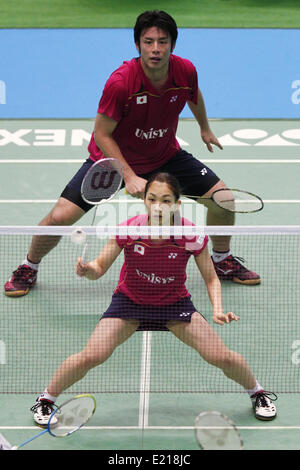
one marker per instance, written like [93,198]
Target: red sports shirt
[155,274]
[147,119]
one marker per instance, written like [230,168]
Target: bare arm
[199,112]
[98,267]
[213,285]
[103,130]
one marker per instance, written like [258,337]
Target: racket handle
[84,253]
[84,256]
[30,439]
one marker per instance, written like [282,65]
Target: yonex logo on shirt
[172,255]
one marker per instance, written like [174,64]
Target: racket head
[102,181]
[215,431]
[237,200]
[71,415]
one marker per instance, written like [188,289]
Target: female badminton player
[151,295]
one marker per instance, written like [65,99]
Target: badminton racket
[215,431]
[100,184]
[67,418]
[233,200]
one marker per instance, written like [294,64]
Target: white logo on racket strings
[101,180]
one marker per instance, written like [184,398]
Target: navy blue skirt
[150,317]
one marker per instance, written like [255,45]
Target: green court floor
[37,158]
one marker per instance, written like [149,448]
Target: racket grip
[30,439]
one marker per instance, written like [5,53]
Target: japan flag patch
[141,99]
[139,249]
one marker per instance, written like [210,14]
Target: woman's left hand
[221,318]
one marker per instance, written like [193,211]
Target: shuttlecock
[78,236]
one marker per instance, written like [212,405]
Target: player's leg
[227,266]
[202,337]
[64,212]
[107,336]
[69,208]
[217,216]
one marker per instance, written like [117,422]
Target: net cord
[104,231]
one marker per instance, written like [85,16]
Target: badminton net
[56,318]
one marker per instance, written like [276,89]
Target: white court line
[167,428]
[145,379]
[27,201]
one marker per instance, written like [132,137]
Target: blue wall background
[61,73]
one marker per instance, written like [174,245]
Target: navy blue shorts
[194,177]
[151,317]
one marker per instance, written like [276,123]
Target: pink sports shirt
[155,273]
[147,119]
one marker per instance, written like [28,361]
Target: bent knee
[64,213]
[90,359]
[225,360]
[56,217]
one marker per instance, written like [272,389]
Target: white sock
[254,390]
[220,256]
[31,265]
[47,396]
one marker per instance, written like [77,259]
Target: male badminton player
[136,123]
[151,294]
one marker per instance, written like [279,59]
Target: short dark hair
[158,18]
[170,180]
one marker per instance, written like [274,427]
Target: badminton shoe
[22,280]
[231,269]
[263,406]
[42,410]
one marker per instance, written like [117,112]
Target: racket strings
[237,201]
[215,431]
[102,181]
[100,186]
[72,415]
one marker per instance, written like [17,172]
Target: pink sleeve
[194,92]
[192,78]
[188,73]
[196,243]
[113,99]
